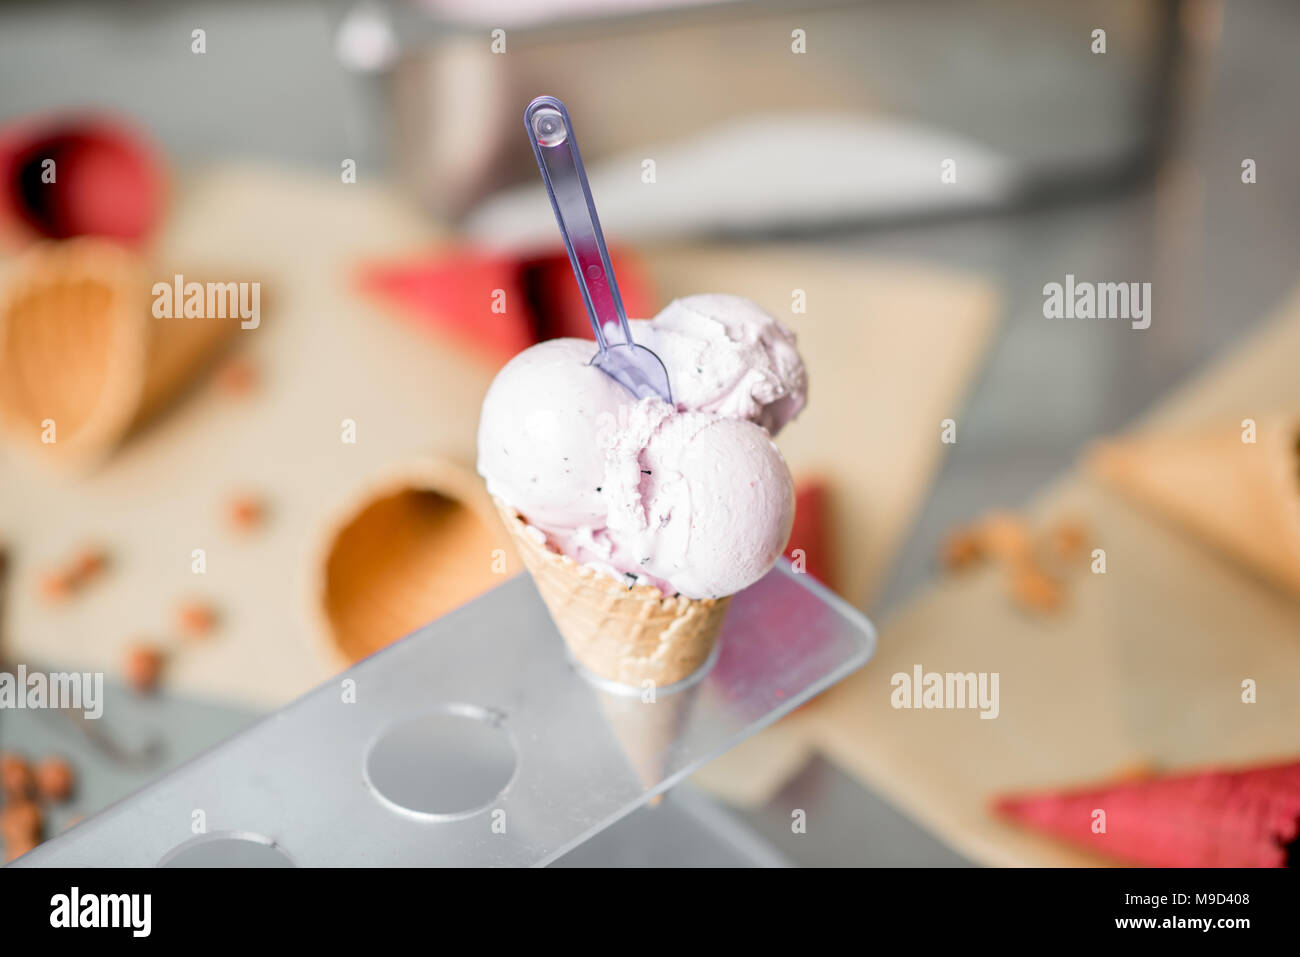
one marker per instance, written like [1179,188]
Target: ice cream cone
[82,358]
[647,730]
[623,634]
[406,547]
[1241,818]
[1242,497]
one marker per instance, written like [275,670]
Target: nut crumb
[143,667]
[56,586]
[54,779]
[16,847]
[1005,536]
[196,619]
[237,377]
[1138,770]
[246,512]
[87,564]
[961,549]
[1067,539]
[15,776]
[20,819]
[1034,590]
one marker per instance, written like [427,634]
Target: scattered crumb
[1066,539]
[246,512]
[196,619]
[59,584]
[1034,590]
[961,549]
[21,820]
[15,776]
[237,377]
[54,779]
[56,586]
[17,847]
[87,564]
[1032,559]
[143,667]
[1138,770]
[1005,536]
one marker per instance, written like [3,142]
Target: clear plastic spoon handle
[551,133]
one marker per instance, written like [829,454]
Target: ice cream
[538,431]
[701,502]
[727,356]
[681,503]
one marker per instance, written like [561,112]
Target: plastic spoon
[634,367]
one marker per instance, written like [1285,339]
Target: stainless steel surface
[585,757]
[845,825]
[687,829]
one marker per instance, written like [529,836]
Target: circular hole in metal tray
[230,849]
[442,765]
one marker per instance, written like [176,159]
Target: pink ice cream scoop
[727,356]
[693,498]
[537,438]
[702,502]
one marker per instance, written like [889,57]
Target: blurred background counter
[771,168]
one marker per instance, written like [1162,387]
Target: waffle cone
[406,546]
[82,359]
[627,635]
[648,730]
[1215,818]
[1240,497]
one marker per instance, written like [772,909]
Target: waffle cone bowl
[625,635]
[408,546]
[82,359]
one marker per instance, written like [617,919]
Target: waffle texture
[73,347]
[81,348]
[620,633]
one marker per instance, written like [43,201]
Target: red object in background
[107,181]
[1245,818]
[811,532]
[454,295]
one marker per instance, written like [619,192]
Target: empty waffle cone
[82,358]
[1241,497]
[1213,818]
[626,635]
[408,546]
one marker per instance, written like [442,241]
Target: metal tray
[473,741]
